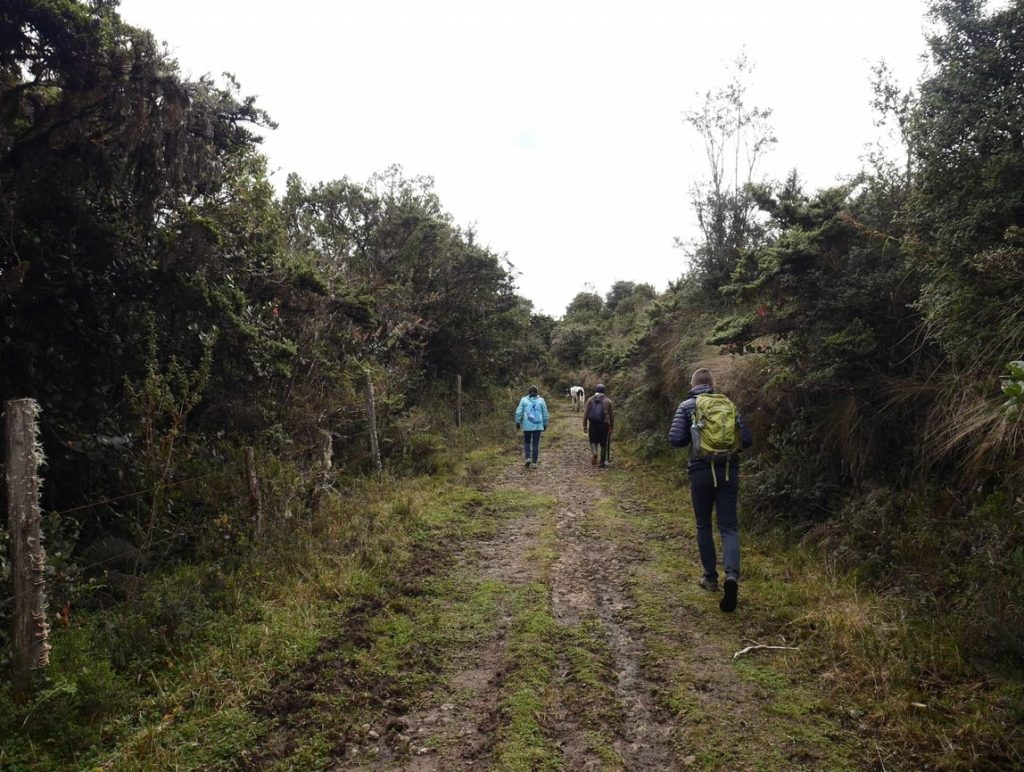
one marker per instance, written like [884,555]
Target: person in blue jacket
[532,419]
[714,484]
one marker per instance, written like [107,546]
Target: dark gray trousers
[715,492]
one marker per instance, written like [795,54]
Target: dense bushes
[166,308]
[867,332]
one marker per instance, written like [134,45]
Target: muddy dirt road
[572,635]
[585,578]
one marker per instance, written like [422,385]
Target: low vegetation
[212,660]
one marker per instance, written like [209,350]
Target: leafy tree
[736,137]
[579,328]
[625,297]
[599,334]
[830,302]
[437,296]
[967,213]
[586,305]
[124,192]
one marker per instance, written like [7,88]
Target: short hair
[702,377]
[534,391]
[599,388]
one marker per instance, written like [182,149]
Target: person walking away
[532,419]
[598,419]
[712,427]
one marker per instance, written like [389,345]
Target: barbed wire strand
[113,558]
[133,494]
[134,550]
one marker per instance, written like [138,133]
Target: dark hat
[599,388]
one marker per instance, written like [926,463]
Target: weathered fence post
[326,449]
[458,400]
[255,496]
[371,420]
[28,558]
[323,472]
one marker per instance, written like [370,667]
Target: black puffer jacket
[682,422]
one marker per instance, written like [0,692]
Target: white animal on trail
[577,394]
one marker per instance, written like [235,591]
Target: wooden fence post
[255,496]
[326,449]
[458,400]
[323,471]
[28,558]
[371,420]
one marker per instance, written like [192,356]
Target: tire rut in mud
[454,727]
[589,581]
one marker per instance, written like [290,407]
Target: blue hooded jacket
[523,413]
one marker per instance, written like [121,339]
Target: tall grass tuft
[970,424]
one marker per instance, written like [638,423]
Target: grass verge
[185,676]
[875,681]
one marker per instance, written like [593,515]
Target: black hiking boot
[732,589]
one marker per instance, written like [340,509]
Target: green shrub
[791,495]
[176,608]
[80,694]
[424,453]
[961,564]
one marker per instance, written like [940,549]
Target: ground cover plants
[512,618]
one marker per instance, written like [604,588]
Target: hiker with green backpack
[711,426]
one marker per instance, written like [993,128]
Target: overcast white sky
[553,127]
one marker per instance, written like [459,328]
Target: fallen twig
[754,646]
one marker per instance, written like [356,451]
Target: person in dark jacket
[598,419]
[714,485]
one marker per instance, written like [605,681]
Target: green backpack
[714,432]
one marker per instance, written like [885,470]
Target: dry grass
[964,420]
[731,371]
[581,376]
[850,436]
[979,431]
